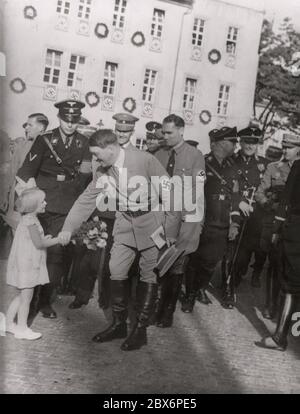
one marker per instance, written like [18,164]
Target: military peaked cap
[223,134]
[290,140]
[251,135]
[125,122]
[69,110]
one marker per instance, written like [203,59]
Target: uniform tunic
[189,167]
[289,214]
[268,195]
[250,171]
[132,230]
[62,182]
[222,199]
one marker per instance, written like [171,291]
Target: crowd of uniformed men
[243,194]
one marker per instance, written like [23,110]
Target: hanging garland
[205,117]
[129,104]
[30,12]
[138,39]
[101,30]
[92,99]
[17,85]
[214,56]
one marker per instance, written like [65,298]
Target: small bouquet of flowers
[92,234]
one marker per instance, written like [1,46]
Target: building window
[149,85]
[84,9]
[223,100]
[75,74]
[189,93]
[63,7]
[52,67]
[198,29]
[157,23]
[119,14]
[109,81]
[232,40]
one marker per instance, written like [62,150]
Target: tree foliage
[278,79]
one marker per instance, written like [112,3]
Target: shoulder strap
[54,153]
[223,181]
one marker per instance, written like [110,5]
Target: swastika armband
[201,176]
[166,184]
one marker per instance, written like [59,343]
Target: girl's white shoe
[27,333]
[11,328]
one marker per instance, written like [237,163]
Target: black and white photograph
[149,199]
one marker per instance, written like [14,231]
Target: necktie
[115,174]
[68,141]
[171,164]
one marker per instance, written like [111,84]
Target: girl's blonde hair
[29,200]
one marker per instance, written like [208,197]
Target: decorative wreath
[30,12]
[214,56]
[205,117]
[92,99]
[101,30]
[129,104]
[138,39]
[17,85]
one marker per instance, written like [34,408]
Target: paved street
[210,351]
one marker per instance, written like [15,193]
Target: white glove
[245,208]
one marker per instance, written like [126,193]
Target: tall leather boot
[171,300]
[146,296]
[278,341]
[228,286]
[162,297]
[118,327]
[255,279]
[45,301]
[268,312]
[189,298]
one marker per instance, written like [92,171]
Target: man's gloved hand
[233,231]
[245,208]
[275,239]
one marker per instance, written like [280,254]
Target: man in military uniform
[124,129]
[273,153]
[222,213]
[268,195]
[287,227]
[137,219]
[60,162]
[250,169]
[154,137]
[36,124]
[184,162]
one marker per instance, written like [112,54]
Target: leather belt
[219,197]
[137,213]
[58,177]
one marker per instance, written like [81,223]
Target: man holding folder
[137,184]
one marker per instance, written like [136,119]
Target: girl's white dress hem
[26,267]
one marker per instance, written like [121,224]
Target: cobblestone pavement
[210,351]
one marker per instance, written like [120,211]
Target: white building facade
[148,57]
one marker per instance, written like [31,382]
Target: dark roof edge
[183,3]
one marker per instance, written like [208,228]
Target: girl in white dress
[26,266]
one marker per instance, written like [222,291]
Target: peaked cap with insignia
[125,122]
[69,110]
